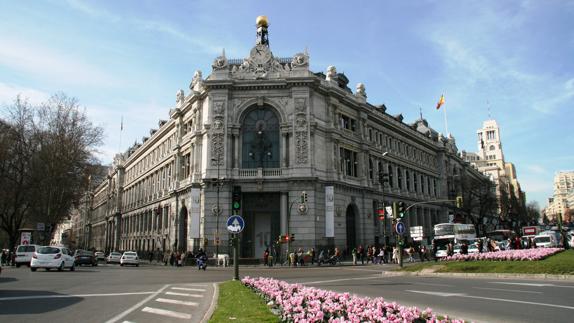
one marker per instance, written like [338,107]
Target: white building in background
[563,198]
[490,161]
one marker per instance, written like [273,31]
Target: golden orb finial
[262,21]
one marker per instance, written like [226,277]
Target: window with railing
[260,139]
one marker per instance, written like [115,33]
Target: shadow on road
[7,279]
[23,302]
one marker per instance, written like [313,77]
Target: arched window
[492,147]
[260,139]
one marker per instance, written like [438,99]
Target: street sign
[400,228]
[389,211]
[40,226]
[235,224]
[25,238]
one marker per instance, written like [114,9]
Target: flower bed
[507,255]
[297,303]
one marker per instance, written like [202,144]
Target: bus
[452,232]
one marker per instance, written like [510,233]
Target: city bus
[452,232]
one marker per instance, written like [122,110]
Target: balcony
[260,172]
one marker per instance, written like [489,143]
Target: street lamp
[217,209]
[382,180]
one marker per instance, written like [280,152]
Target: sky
[129,58]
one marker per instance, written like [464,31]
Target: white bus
[452,232]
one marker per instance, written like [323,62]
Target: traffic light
[286,238]
[401,209]
[236,198]
[292,238]
[395,210]
[459,202]
[381,212]
[304,198]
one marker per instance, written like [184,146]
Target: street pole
[217,210]
[235,257]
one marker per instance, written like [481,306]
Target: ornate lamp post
[217,209]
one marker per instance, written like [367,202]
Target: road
[152,293]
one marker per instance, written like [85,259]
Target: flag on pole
[122,124]
[440,102]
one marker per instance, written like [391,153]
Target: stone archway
[182,245]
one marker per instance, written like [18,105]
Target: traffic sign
[235,224]
[400,228]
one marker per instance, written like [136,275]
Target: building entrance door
[261,212]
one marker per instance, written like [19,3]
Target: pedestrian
[434,249]
[172,259]
[480,245]
[312,254]
[361,254]
[4,258]
[301,257]
[354,254]
[266,257]
[382,256]
[464,248]
[395,255]
[422,252]
[369,254]
[150,257]
[321,258]
[411,252]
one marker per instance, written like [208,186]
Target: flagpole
[445,121]
[121,131]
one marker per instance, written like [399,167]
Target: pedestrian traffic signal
[401,209]
[459,202]
[286,238]
[236,198]
[304,197]
[381,213]
[292,238]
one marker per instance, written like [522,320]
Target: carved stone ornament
[218,124]
[220,62]
[282,101]
[259,63]
[301,147]
[218,108]
[300,60]
[301,122]
[331,73]
[361,90]
[180,96]
[196,82]
[300,105]
[217,148]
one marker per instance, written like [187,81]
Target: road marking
[69,296]
[189,289]
[430,284]
[338,280]
[489,298]
[436,293]
[133,308]
[184,294]
[532,284]
[175,301]
[159,311]
[509,290]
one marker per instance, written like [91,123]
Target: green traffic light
[236,205]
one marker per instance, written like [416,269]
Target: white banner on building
[194,214]
[329,211]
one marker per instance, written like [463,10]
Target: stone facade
[271,128]
[563,198]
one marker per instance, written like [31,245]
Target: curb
[481,275]
[212,306]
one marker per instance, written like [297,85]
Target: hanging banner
[329,211]
[194,214]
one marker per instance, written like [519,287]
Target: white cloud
[537,169]
[36,60]
[531,185]
[8,93]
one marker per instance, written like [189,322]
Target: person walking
[354,254]
[266,257]
[361,253]
[434,249]
[312,254]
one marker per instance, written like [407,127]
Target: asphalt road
[156,293]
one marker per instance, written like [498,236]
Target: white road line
[133,308]
[189,289]
[175,301]
[436,293]
[532,284]
[184,294]
[159,311]
[430,284]
[338,280]
[15,298]
[509,290]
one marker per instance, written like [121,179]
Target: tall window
[408,180]
[391,177]
[400,177]
[349,162]
[260,139]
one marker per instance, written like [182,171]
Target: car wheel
[137,265]
[61,266]
[33,269]
[47,269]
[17,265]
[122,265]
[73,268]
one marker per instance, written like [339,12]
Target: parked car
[546,241]
[52,257]
[129,258]
[85,257]
[100,255]
[24,254]
[114,257]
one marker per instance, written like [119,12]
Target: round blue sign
[400,228]
[235,224]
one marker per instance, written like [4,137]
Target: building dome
[262,21]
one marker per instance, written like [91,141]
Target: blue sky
[130,57]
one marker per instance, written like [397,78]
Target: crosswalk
[174,304]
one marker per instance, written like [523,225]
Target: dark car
[84,257]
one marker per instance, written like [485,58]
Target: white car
[99,255]
[130,258]
[24,254]
[114,257]
[545,241]
[53,257]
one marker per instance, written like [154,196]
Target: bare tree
[479,201]
[51,164]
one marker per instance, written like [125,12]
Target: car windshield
[130,254]
[115,254]
[26,249]
[542,239]
[48,250]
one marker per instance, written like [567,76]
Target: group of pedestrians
[8,258]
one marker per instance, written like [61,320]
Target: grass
[559,264]
[238,303]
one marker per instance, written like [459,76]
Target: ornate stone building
[263,130]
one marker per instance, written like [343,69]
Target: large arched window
[260,139]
